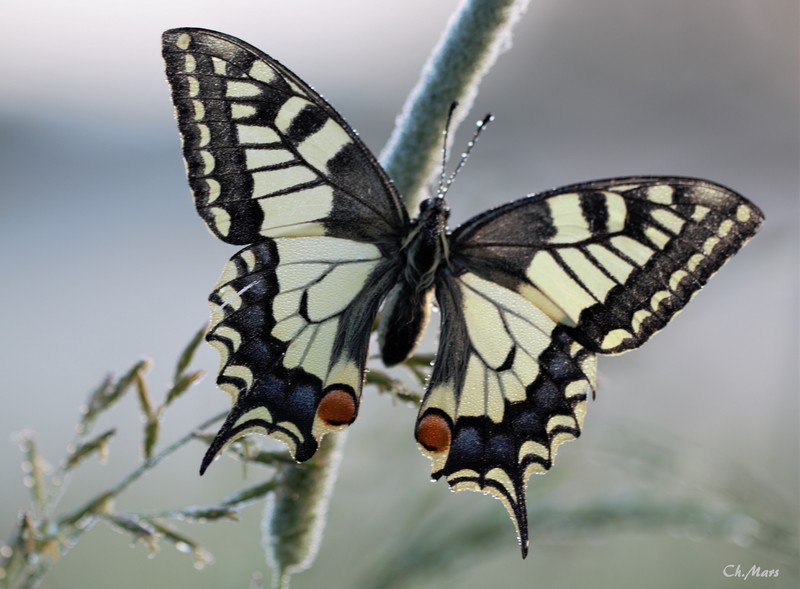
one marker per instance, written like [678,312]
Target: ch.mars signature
[736,571]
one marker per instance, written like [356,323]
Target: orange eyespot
[337,407]
[433,432]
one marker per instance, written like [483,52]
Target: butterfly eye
[434,433]
[337,407]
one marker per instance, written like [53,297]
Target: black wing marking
[611,260]
[508,387]
[265,154]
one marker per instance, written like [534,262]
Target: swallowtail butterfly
[529,292]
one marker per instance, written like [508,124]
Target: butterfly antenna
[440,191]
[444,185]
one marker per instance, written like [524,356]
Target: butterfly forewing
[612,260]
[265,154]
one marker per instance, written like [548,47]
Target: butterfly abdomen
[403,320]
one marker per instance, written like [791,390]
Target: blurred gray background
[104,261]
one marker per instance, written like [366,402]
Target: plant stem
[476,34]
[21,573]
[137,473]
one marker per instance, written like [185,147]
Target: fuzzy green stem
[477,33]
[295,515]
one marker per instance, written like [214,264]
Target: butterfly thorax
[407,309]
[426,245]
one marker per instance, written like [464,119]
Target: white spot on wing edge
[229,334]
[208,162]
[725,228]
[676,278]
[262,72]
[660,194]
[500,476]
[183,41]
[214,190]
[205,135]
[238,371]
[221,219]
[743,213]
[258,413]
[534,448]
[710,244]
[615,338]
[194,86]
[189,63]
[199,110]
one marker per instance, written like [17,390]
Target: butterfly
[529,292]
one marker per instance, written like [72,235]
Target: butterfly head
[435,209]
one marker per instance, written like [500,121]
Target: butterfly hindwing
[612,260]
[266,156]
[508,387]
[291,318]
